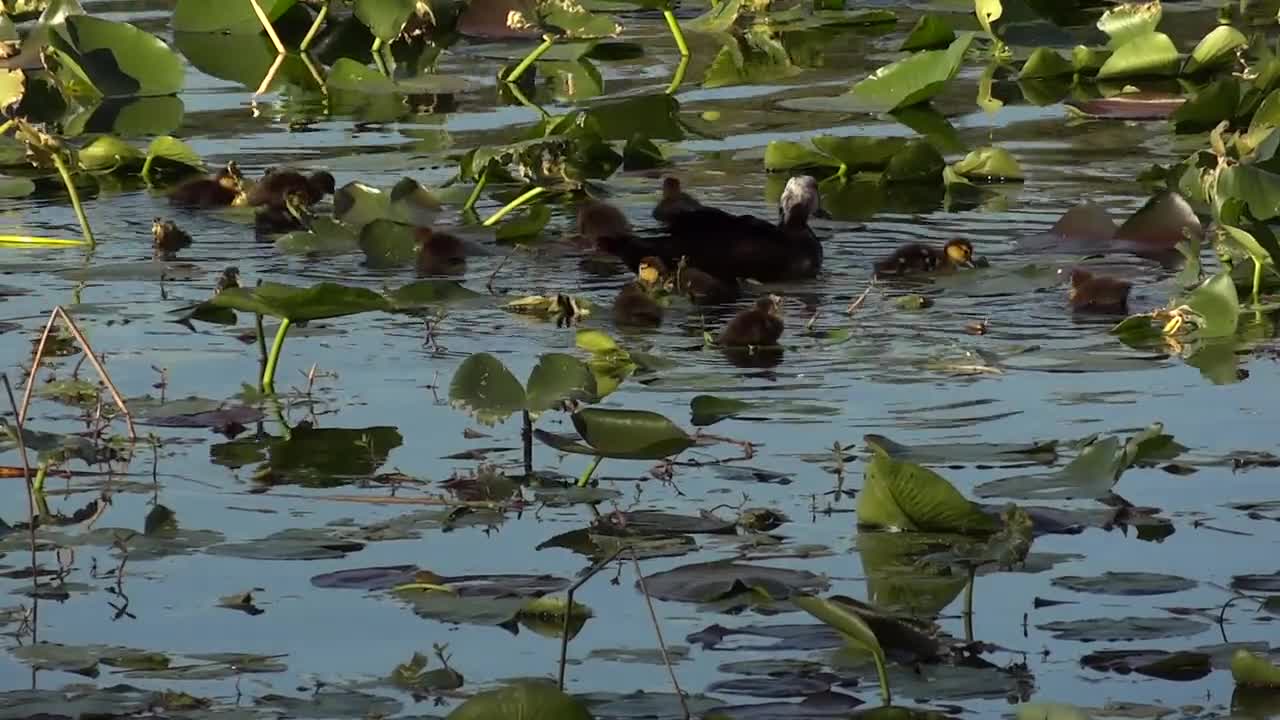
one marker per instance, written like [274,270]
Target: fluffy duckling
[674,200]
[758,326]
[918,258]
[293,214]
[168,238]
[230,278]
[1098,293]
[221,190]
[276,184]
[599,223]
[637,303]
[703,288]
[439,253]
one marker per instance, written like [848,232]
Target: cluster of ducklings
[703,253]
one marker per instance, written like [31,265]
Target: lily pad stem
[591,470]
[6,127]
[315,27]
[676,32]
[475,194]
[59,163]
[526,197]
[37,483]
[526,438]
[677,79]
[378,60]
[262,342]
[531,58]
[968,605]
[883,673]
[269,372]
[1257,280]
[266,25]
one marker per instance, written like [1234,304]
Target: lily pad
[1125,628]
[318,302]
[1254,671]
[1125,583]
[905,496]
[122,60]
[720,580]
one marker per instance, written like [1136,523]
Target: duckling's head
[670,188]
[1079,278]
[157,226]
[322,182]
[770,305]
[800,200]
[959,252]
[650,271]
[230,177]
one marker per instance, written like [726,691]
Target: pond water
[914,376]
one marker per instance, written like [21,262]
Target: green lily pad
[905,496]
[1216,48]
[110,154]
[556,379]
[929,33]
[1129,21]
[1216,305]
[347,75]
[427,293]
[709,582]
[630,434]
[235,17]
[483,386]
[1092,474]
[528,700]
[1125,583]
[989,163]
[1045,63]
[326,236]
[1213,104]
[1254,671]
[385,18]
[388,244]
[1152,54]
[122,60]
[953,453]
[171,154]
[1124,628]
[844,618]
[318,302]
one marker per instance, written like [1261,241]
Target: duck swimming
[276,184]
[222,190]
[918,258]
[439,253]
[758,326]
[637,303]
[230,278]
[600,223]
[729,246]
[1098,293]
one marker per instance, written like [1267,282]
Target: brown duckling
[637,303]
[230,278]
[758,326]
[168,238]
[674,200]
[439,253]
[293,214]
[599,221]
[729,246]
[276,184]
[221,190]
[1098,293]
[703,288]
[918,258]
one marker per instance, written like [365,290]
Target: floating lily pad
[325,300]
[956,453]
[719,580]
[1178,666]
[1125,628]
[1125,583]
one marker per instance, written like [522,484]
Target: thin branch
[568,610]
[31,506]
[662,645]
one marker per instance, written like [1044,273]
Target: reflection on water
[345,472]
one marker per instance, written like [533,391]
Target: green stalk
[1257,280]
[526,197]
[676,32]
[37,483]
[883,673]
[531,58]
[525,101]
[475,194]
[269,373]
[678,78]
[75,199]
[377,57]
[591,470]
[315,27]
[266,25]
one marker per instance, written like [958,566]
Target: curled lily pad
[989,163]
[1045,63]
[1150,54]
[556,379]
[630,434]
[1216,48]
[1255,671]
[1178,666]
[905,496]
[325,300]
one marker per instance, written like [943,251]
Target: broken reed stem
[31,504]
[568,608]
[315,27]
[266,25]
[526,438]
[494,275]
[968,605]
[270,76]
[853,306]
[657,629]
[74,194]
[56,313]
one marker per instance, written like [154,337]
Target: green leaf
[357,204]
[484,387]
[843,618]
[1125,22]
[784,156]
[350,76]
[1214,49]
[12,86]
[1217,304]
[384,18]
[388,244]
[1254,671]
[525,225]
[558,378]
[630,434]
[718,19]
[572,20]
[1088,61]
[860,153]
[917,161]
[1045,63]
[912,80]
[988,11]
[326,236]
[426,293]
[171,153]
[989,163]
[1209,106]
[1152,54]
[1258,189]
[324,300]
[1050,711]
[109,154]
[1267,114]
[640,153]
[527,700]
[930,33]
[235,17]
[709,409]
[16,187]
[122,60]
[905,496]
[595,341]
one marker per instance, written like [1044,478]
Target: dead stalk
[58,312]
[568,609]
[494,275]
[853,306]
[31,503]
[657,629]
